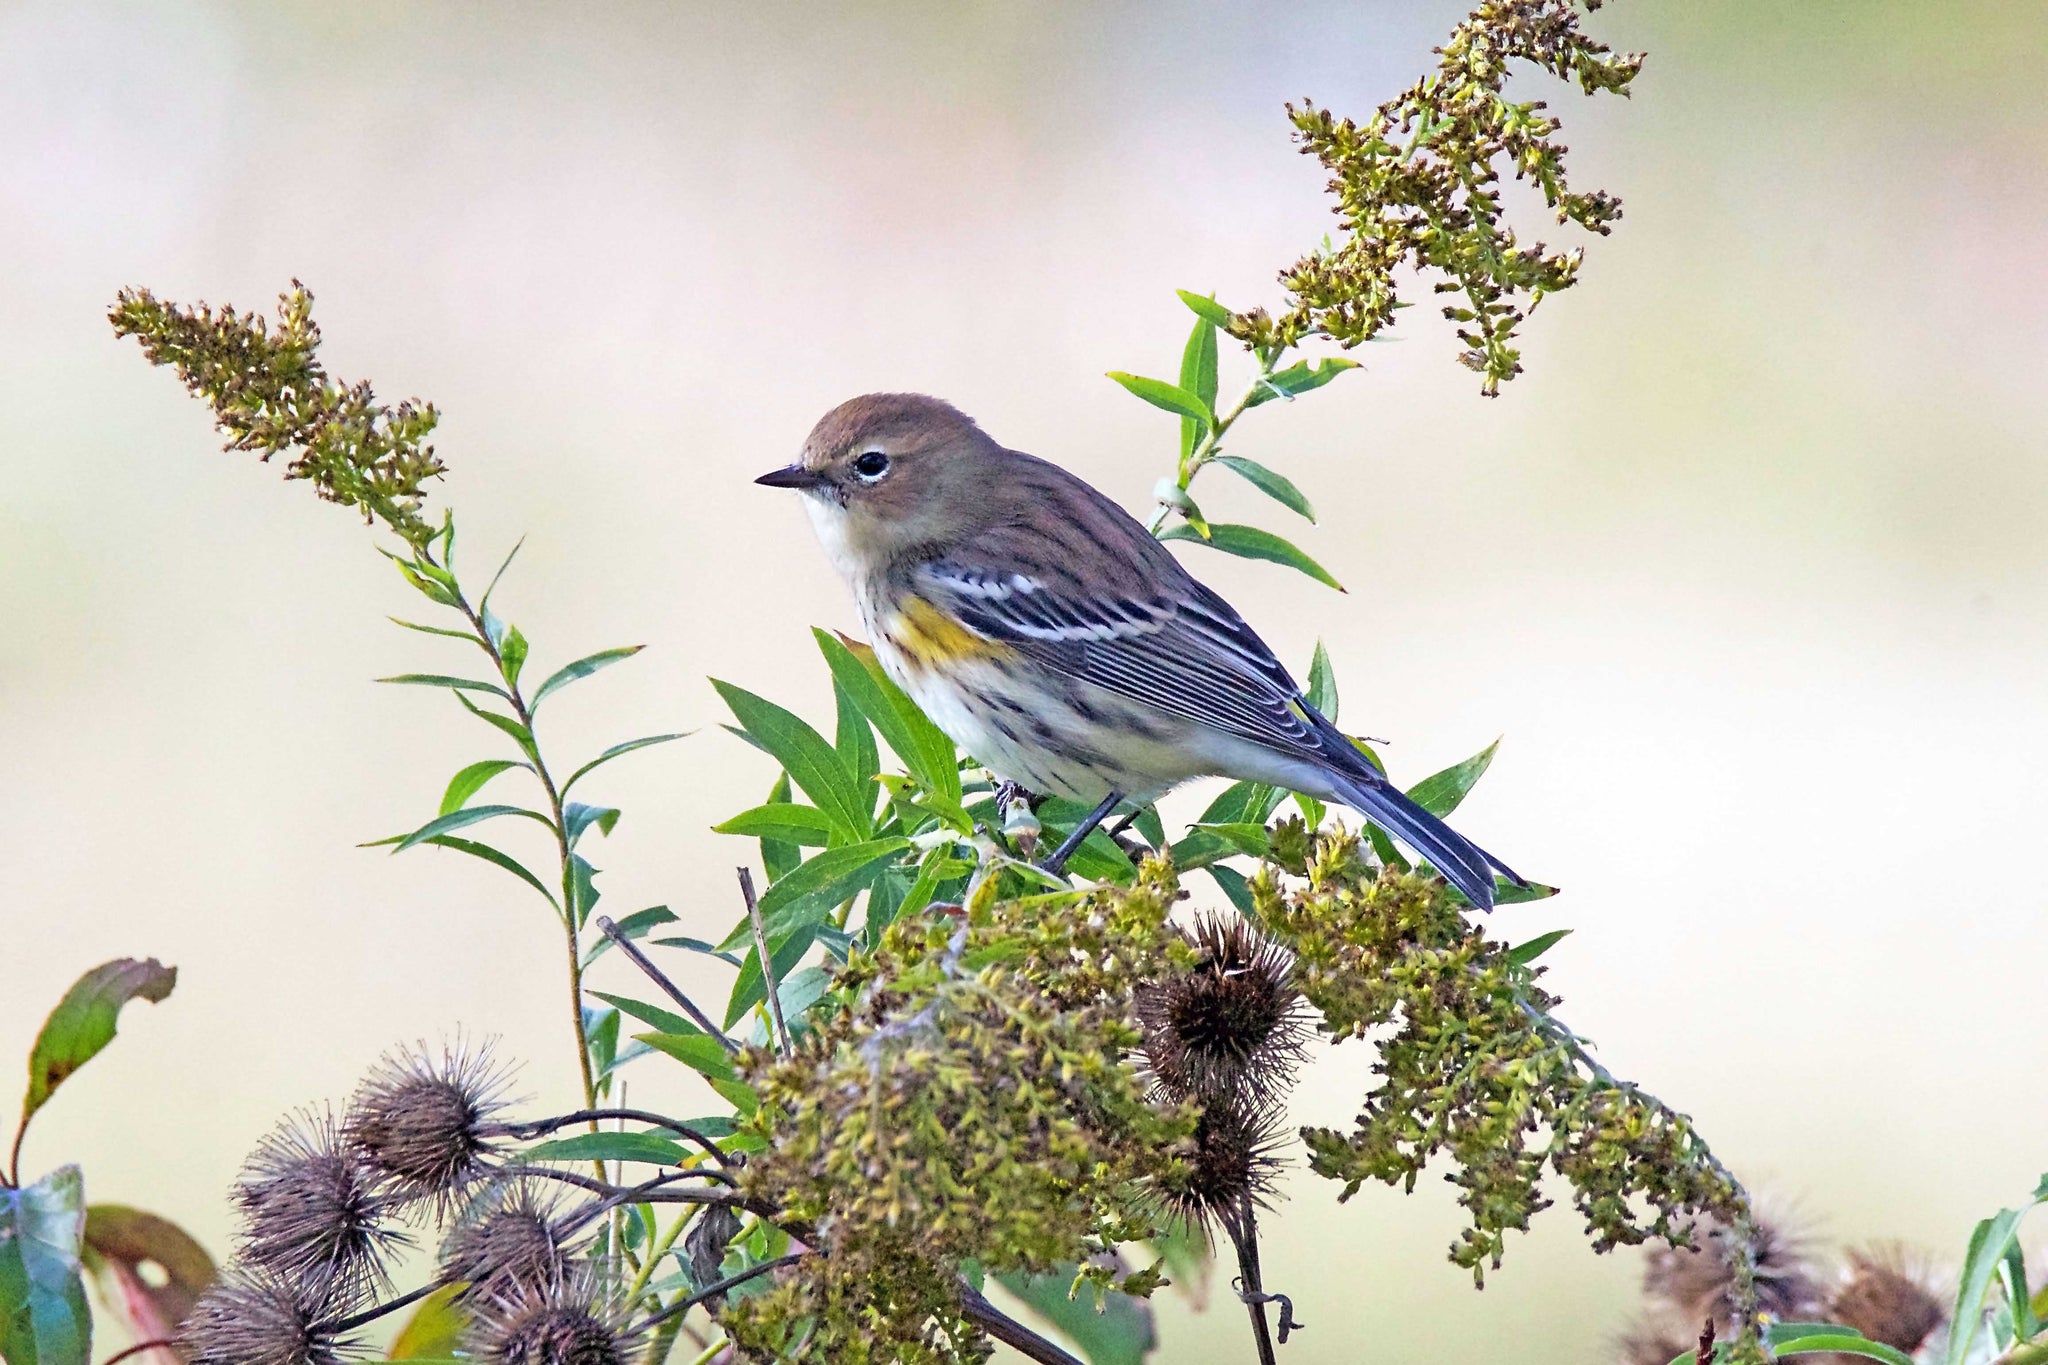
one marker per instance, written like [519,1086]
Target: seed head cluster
[420,1122]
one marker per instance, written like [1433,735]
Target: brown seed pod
[1233,1025]
[573,1319]
[1889,1295]
[1233,1168]
[420,1121]
[248,1317]
[510,1238]
[313,1215]
[1698,1283]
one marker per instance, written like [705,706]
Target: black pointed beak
[791,476]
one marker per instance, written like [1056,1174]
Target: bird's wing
[1178,647]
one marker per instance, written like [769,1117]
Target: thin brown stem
[767,962]
[153,1344]
[1251,1289]
[681,1306]
[674,992]
[1013,1333]
[542,1127]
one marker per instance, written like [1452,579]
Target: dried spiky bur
[1651,1343]
[251,1318]
[1233,1026]
[313,1214]
[512,1238]
[1889,1296]
[573,1319]
[1233,1167]
[420,1121]
[1698,1282]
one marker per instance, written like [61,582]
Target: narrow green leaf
[43,1315]
[1198,377]
[460,819]
[810,890]
[653,1015]
[584,894]
[521,736]
[616,750]
[777,856]
[512,653]
[83,1023]
[1441,793]
[855,740]
[495,858]
[750,989]
[582,668]
[1235,887]
[433,630]
[1249,542]
[1840,1343]
[1275,486]
[784,820]
[435,1330]
[1988,1243]
[697,945]
[648,1148]
[1525,953]
[699,1051]
[1299,378]
[1322,683]
[1170,397]
[1506,892]
[810,762]
[470,781]
[443,680]
[1205,308]
[924,749]
[510,555]
[1245,838]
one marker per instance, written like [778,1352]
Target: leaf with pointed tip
[1170,397]
[1118,1331]
[1525,953]
[1205,308]
[458,819]
[577,818]
[581,668]
[808,891]
[1198,377]
[470,781]
[1275,486]
[510,555]
[654,1015]
[618,749]
[648,1148]
[810,762]
[1299,378]
[512,653]
[924,749]
[433,630]
[521,736]
[490,855]
[1249,542]
[83,1022]
[1322,683]
[749,989]
[1441,793]
[784,820]
[639,924]
[444,680]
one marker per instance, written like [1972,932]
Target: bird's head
[886,473]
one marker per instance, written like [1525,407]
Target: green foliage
[83,1023]
[43,1315]
[1418,184]
[269,393]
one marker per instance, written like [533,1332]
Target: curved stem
[1212,440]
[542,1127]
[681,1306]
[1013,1333]
[153,1344]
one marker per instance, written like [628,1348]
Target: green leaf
[653,1015]
[443,680]
[496,858]
[649,1148]
[925,750]
[1988,1243]
[1322,683]
[43,1314]
[1235,887]
[149,1271]
[749,989]
[697,945]
[1840,1340]
[1120,1332]
[1275,486]
[512,653]
[1245,838]
[778,857]
[470,781]
[436,1328]
[783,820]
[582,668]
[1242,802]
[510,555]
[815,886]
[583,891]
[1299,378]
[1441,793]
[83,1024]
[1205,308]
[459,819]
[1198,377]
[637,925]
[698,1051]
[522,736]
[433,630]
[617,749]
[855,741]
[810,762]
[1170,397]
[1506,892]
[1249,542]
[1525,953]
[577,818]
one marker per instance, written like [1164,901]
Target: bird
[1058,642]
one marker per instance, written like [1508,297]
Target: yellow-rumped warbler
[1057,641]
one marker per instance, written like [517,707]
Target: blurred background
[1748,567]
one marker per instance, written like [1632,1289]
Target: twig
[542,1127]
[153,1344]
[767,962]
[1705,1354]
[1251,1290]
[685,1305]
[336,1326]
[611,930]
[648,1192]
[1011,1332]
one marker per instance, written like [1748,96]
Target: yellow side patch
[929,638]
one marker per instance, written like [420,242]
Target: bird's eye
[871,465]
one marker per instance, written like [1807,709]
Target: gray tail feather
[1463,863]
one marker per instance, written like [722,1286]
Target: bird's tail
[1463,863]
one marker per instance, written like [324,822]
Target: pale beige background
[1748,568]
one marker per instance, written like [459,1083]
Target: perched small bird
[1047,632]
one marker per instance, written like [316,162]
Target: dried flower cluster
[269,393]
[1882,1292]
[1418,184]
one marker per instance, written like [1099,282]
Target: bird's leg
[1120,826]
[1057,863]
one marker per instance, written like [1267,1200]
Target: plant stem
[639,959]
[1212,441]
[153,1344]
[1250,1286]
[1013,1333]
[767,961]
[682,1306]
